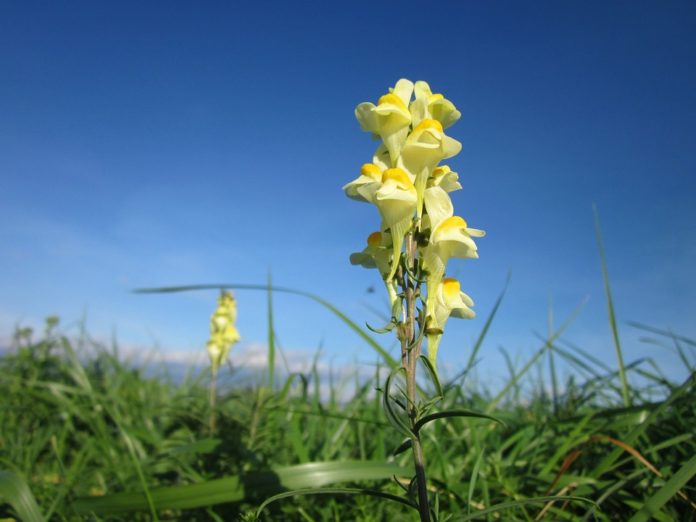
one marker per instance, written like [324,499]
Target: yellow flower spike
[447,300]
[223,333]
[425,147]
[390,118]
[369,173]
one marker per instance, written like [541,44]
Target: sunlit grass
[87,436]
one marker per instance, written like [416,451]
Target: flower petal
[438,205]
[366,117]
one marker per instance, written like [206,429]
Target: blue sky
[172,143]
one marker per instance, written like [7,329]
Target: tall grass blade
[452,413]
[612,315]
[234,489]
[493,404]
[653,505]
[516,504]
[335,491]
[664,333]
[479,341]
[552,362]
[271,334]
[653,414]
[472,482]
[393,363]
[17,494]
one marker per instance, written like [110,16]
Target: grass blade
[452,413]
[481,337]
[393,363]
[517,503]
[493,404]
[666,492]
[335,491]
[233,489]
[271,334]
[612,313]
[17,494]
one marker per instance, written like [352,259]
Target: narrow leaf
[666,492]
[452,413]
[335,491]
[17,494]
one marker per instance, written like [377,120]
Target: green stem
[418,458]
[410,353]
[212,399]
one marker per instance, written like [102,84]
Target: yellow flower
[381,158]
[450,238]
[390,118]
[450,300]
[425,147]
[438,207]
[396,197]
[444,177]
[396,201]
[223,333]
[369,173]
[434,106]
[447,300]
[377,254]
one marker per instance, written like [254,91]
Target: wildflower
[223,333]
[411,191]
[378,254]
[446,300]
[444,177]
[450,238]
[435,106]
[396,200]
[369,173]
[390,118]
[425,147]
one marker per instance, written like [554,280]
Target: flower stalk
[223,334]
[418,235]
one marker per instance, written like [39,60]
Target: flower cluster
[223,333]
[419,231]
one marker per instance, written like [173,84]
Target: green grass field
[85,436]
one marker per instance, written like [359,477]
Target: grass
[85,436]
